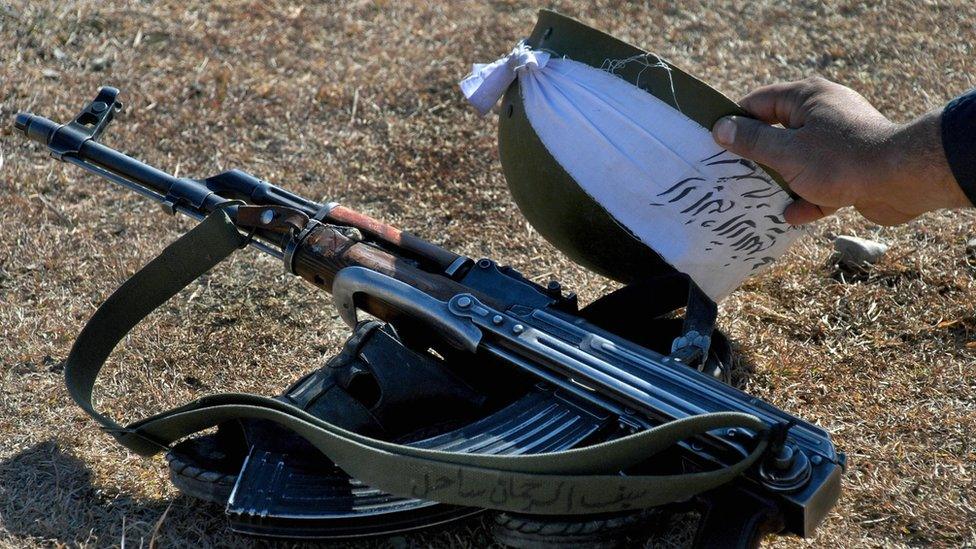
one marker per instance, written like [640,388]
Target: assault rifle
[761,468]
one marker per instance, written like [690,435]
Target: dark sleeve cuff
[959,141]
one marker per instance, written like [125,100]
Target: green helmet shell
[547,195]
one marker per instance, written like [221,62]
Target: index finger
[779,103]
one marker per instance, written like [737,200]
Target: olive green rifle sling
[577,481]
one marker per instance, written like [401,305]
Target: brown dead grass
[885,361]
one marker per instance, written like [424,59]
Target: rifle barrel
[197,198]
[134,175]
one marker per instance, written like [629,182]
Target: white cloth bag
[707,212]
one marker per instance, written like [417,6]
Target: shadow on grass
[742,369]
[47,497]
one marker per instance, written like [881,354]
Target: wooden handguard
[325,251]
[408,242]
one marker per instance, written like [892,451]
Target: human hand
[835,150]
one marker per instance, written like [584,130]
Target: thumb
[801,212]
[754,140]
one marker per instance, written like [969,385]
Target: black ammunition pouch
[378,387]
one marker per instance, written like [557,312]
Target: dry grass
[884,360]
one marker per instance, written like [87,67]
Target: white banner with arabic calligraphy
[707,212]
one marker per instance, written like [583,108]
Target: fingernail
[724,131]
[789,215]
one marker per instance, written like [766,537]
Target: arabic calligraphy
[527,494]
[734,205]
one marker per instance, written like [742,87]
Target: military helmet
[595,234]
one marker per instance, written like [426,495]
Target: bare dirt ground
[357,102]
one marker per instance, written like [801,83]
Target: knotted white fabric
[488,81]
[707,212]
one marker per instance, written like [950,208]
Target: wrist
[916,162]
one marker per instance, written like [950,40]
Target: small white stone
[971,247]
[100,63]
[858,252]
